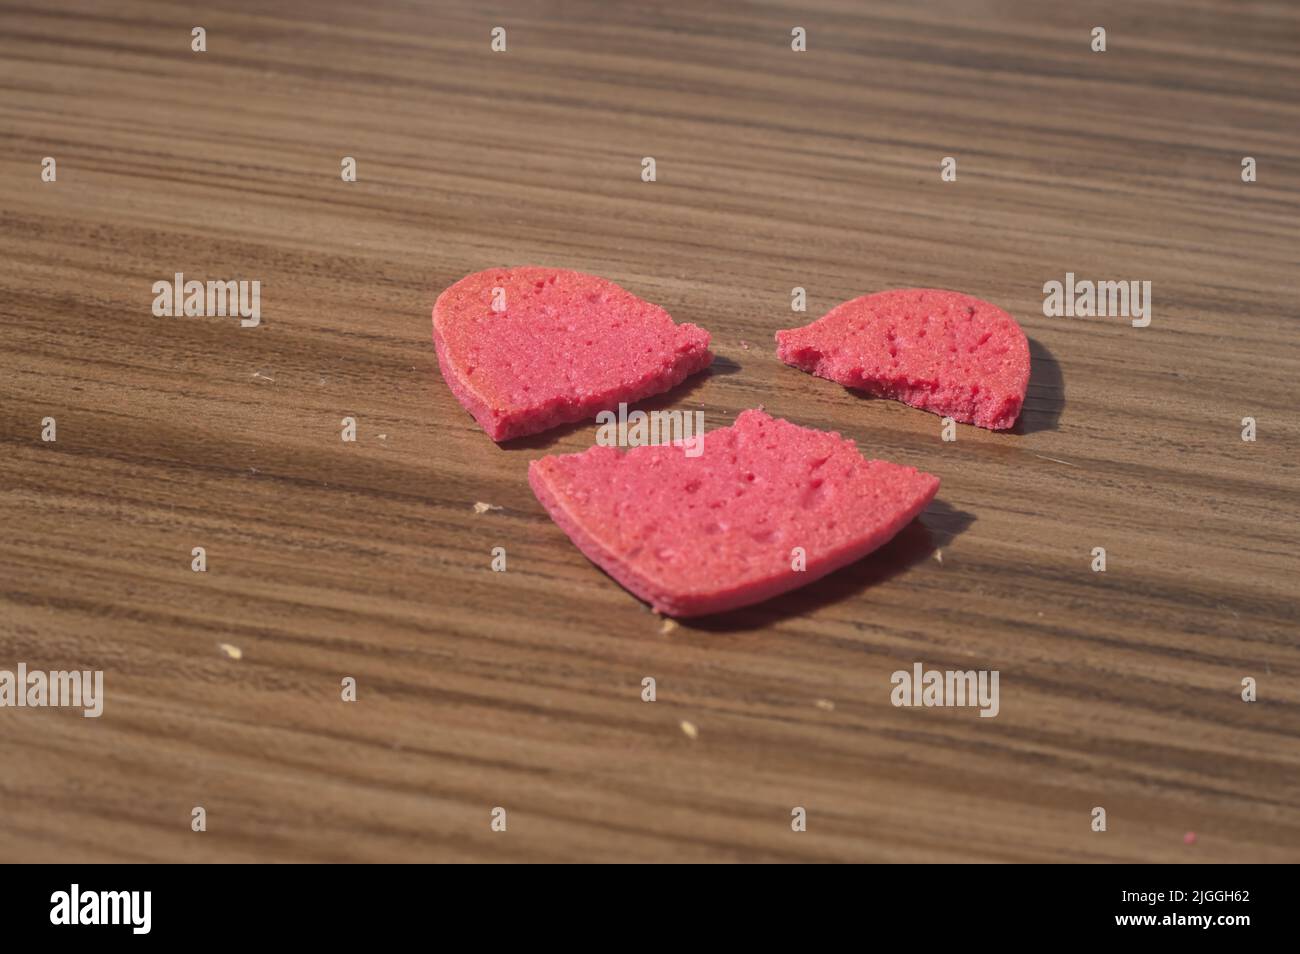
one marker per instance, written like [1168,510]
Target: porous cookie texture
[940,351]
[766,506]
[527,349]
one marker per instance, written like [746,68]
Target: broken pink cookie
[764,507]
[526,349]
[941,351]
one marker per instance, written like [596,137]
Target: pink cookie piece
[558,347]
[941,351]
[700,534]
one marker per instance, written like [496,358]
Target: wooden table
[522,690]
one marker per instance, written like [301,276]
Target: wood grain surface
[522,689]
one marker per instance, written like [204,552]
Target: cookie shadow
[1046,396]
[936,527]
[656,402]
[722,366]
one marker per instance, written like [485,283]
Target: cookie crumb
[825,704]
[481,507]
[234,652]
[690,730]
[668,625]
[938,555]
